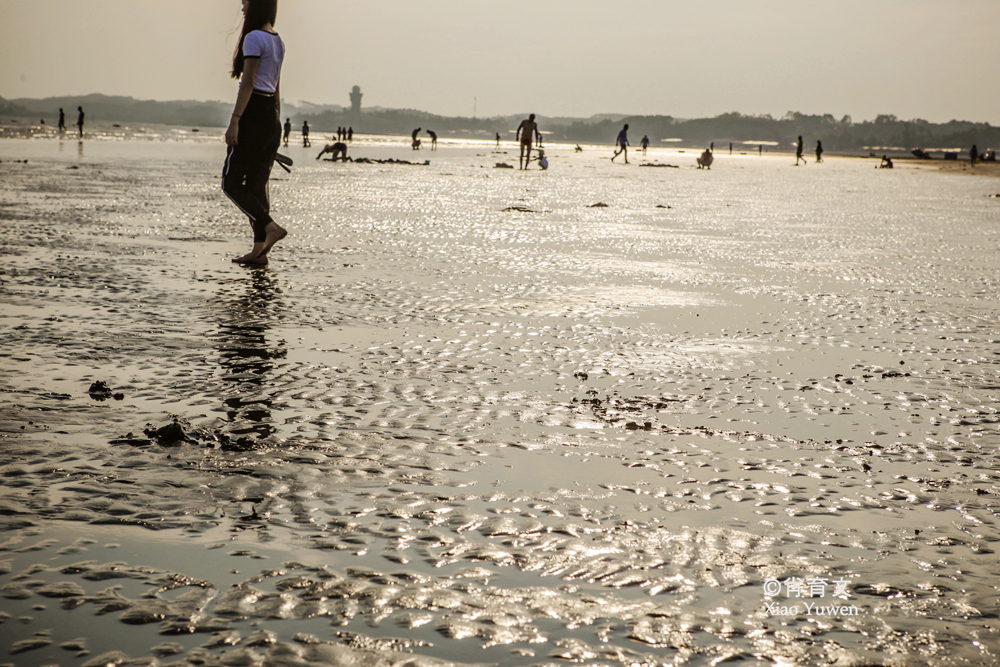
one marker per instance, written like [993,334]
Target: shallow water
[439,428]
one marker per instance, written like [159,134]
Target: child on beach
[254,133]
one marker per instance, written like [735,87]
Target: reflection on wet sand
[247,309]
[472,418]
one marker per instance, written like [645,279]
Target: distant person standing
[350,133]
[305,134]
[288,129]
[819,151]
[434,139]
[644,143]
[526,132]
[79,120]
[498,140]
[973,155]
[254,133]
[730,148]
[62,121]
[622,143]
[798,152]
[760,150]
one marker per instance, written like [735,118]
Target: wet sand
[467,416]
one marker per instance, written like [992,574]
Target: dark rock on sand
[170,435]
[99,391]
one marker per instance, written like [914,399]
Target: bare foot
[252,259]
[275,233]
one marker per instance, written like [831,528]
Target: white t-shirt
[271,51]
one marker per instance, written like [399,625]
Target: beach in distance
[600,414]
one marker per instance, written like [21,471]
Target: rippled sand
[466,416]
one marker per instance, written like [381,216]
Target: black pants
[248,163]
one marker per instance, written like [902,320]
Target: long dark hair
[259,14]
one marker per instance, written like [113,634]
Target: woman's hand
[242,98]
[233,132]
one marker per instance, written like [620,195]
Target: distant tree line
[842,135]
[745,131]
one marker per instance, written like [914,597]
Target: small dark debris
[99,391]
[168,436]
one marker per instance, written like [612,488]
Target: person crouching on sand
[254,133]
[338,150]
[706,159]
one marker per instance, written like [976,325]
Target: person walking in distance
[288,130]
[798,152]
[622,143]
[819,151]
[79,120]
[527,132]
[254,132]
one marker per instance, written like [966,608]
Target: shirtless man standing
[527,131]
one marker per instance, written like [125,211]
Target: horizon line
[544,115]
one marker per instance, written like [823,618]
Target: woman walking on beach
[254,132]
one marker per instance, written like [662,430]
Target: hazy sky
[931,59]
